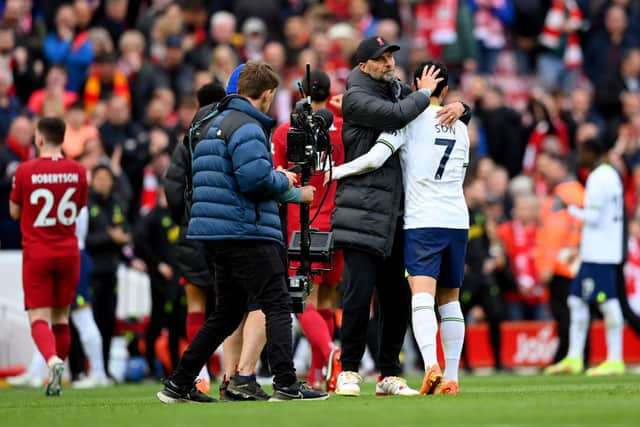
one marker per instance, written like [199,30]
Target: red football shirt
[51,192]
[323,221]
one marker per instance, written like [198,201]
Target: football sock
[194,323]
[62,333]
[90,339]
[315,329]
[44,339]
[329,320]
[317,363]
[452,337]
[425,327]
[579,326]
[614,322]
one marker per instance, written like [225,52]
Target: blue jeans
[553,73]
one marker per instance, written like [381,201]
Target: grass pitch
[485,401]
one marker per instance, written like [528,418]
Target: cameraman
[317,321]
[235,213]
[367,222]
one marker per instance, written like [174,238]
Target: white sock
[614,322]
[425,327]
[452,337]
[579,326]
[91,340]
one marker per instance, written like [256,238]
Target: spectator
[101,41]
[222,27]
[105,81]
[55,86]
[115,16]
[529,299]
[254,31]
[361,18]
[78,131]
[68,48]
[17,149]
[120,131]
[172,71]
[10,106]
[503,130]
[623,79]
[296,34]
[581,111]
[605,48]
[491,19]
[223,61]
[560,60]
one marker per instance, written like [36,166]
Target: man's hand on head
[429,79]
[450,113]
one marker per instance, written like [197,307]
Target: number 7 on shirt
[449,143]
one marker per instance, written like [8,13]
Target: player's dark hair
[210,93]
[593,146]
[52,129]
[444,75]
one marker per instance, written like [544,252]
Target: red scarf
[562,13]
[23,153]
[92,89]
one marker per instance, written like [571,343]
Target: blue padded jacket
[235,186]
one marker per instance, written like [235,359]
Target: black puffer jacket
[369,206]
[189,253]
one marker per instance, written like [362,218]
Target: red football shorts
[332,277]
[50,281]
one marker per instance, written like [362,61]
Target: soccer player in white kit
[436,222]
[601,254]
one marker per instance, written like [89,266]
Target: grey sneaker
[55,378]
[296,391]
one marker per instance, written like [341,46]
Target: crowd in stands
[541,76]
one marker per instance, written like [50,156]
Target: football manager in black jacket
[367,222]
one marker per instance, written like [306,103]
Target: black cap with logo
[374,47]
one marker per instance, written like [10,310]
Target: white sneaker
[26,380]
[394,386]
[92,382]
[348,384]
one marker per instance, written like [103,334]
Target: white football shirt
[434,160]
[602,227]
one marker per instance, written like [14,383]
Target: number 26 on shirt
[66,212]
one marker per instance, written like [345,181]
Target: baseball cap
[232,84]
[374,47]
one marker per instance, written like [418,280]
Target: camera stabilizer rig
[309,149]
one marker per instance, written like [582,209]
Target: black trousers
[104,303]
[369,273]
[167,311]
[488,297]
[559,288]
[244,269]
